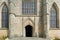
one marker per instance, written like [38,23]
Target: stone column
[11,20]
[58,19]
[11,25]
[38,7]
[45,18]
[38,10]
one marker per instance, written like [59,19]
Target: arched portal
[29,31]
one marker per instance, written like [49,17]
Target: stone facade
[39,22]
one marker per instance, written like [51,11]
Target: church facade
[30,18]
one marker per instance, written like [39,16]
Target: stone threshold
[28,38]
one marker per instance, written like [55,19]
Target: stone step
[28,38]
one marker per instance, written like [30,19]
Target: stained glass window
[5,17]
[53,17]
[29,7]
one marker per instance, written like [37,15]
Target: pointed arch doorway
[28,31]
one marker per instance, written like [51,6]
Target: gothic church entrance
[28,30]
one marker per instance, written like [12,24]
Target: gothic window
[5,17]
[53,17]
[29,7]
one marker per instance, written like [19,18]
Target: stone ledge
[28,38]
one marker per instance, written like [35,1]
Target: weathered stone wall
[18,24]
[53,32]
[3,33]
[17,21]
